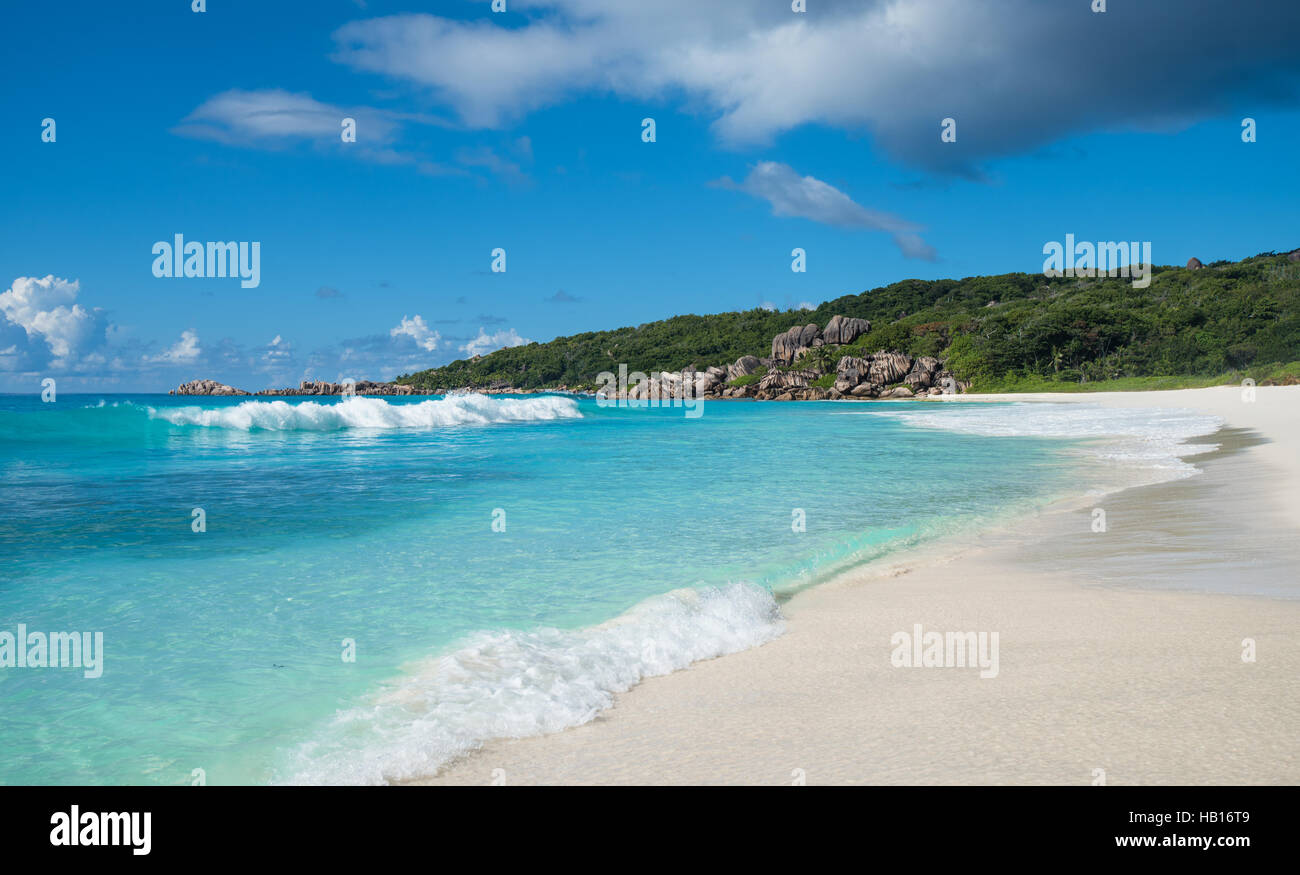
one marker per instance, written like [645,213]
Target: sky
[523,131]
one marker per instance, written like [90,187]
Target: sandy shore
[1119,652]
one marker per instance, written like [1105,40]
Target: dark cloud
[1014,74]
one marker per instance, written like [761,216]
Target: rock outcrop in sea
[361,387]
[206,387]
[307,387]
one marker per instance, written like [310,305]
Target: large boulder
[944,381]
[845,329]
[1194,264]
[652,387]
[948,384]
[744,366]
[889,367]
[674,385]
[922,374]
[789,344]
[206,387]
[852,369]
[778,380]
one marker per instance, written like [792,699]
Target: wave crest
[1153,440]
[376,413]
[513,684]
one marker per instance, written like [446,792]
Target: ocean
[358,590]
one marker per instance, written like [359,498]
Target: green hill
[999,332]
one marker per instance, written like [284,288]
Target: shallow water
[627,543]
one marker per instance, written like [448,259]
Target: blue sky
[522,130]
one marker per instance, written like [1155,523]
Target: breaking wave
[376,413]
[513,684]
[1146,441]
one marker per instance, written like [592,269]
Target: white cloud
[486,343]
[807,197]
[415,328]
[183,352]
[274,115]
[273,118]
[531,66]
[277,351]
[807,305]
[46,309]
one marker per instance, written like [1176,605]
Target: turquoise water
[372,520]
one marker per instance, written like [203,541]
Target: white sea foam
[515,684]
[360,412]
[1147,442]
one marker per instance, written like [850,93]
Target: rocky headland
[806,364]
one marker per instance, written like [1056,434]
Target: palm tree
[819,358]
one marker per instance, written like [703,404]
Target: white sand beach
[1120,653]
